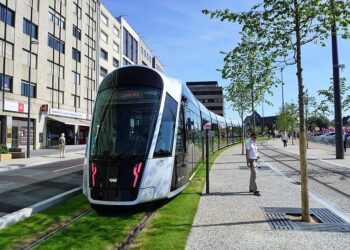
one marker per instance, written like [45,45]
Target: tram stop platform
[232,218]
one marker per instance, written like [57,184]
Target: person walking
[345,140]
[252,156]
[284,139]
[61,145]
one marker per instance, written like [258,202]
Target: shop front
[60,121]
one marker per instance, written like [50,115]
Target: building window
[30,28]
[25,89]
[7,15]
[27,60]
[76,32]
[103,72]
[76,101]
[76,54]
[130,46]
[116,31]
[115,63]
[6,83]
[56,44]
[77,10]
[57,19]
[89,62]
[75,78]
[104,37]
[104,19]
[56,69]
[104,54]
[115,47]
[9,49]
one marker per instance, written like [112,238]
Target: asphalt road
[24,187]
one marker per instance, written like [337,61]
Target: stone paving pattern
[232,218]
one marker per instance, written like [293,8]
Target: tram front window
[124,122]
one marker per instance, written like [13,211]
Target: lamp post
[337,95]
[29,93]
[282,91]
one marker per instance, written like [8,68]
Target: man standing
[252,156]
[61,145]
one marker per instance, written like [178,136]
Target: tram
[145,139]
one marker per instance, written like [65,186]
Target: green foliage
[287,118]
[320,121]
[327,104]
[3,149]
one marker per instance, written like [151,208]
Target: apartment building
[210,94]
[47,63]
[53,55]
[110,38]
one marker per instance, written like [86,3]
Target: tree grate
[329,222]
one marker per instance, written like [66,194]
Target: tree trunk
[242,133]
[305,213]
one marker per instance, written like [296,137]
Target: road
[24,187]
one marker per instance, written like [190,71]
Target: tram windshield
[124,121]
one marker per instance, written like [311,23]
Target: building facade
[48,53]
[210,94]
[109,43]
[53,55]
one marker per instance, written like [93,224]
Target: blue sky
[188,44]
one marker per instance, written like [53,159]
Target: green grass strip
[94,231]
[170,226]
[27,231]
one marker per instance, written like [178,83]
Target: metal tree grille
[329,222]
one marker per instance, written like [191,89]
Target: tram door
[180,170]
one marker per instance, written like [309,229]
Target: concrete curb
[40,206]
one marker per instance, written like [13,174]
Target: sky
[188,44]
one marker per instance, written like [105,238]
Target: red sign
[20,107]
[207,125]
[44,108]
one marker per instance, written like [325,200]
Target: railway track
[123,245]
[59,229]
[340,173]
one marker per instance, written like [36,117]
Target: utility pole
[282,90]
[337,97]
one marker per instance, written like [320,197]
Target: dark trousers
[344,146]
[284,143]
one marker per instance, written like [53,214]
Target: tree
[252,69]
[237,94]
[327,104]
[282,28]
[320,121]
[287,118]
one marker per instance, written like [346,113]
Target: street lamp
[29,93]
[282,90]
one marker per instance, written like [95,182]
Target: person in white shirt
[252,156]
[284,139]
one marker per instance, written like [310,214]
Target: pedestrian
[284,139]
[61,145]
[252,156]
[345,140]
[77,138]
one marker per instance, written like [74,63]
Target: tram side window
[164,146]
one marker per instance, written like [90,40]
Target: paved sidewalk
[232,218]
[43,156]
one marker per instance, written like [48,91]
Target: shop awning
[70,121]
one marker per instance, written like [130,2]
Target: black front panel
[116,179]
